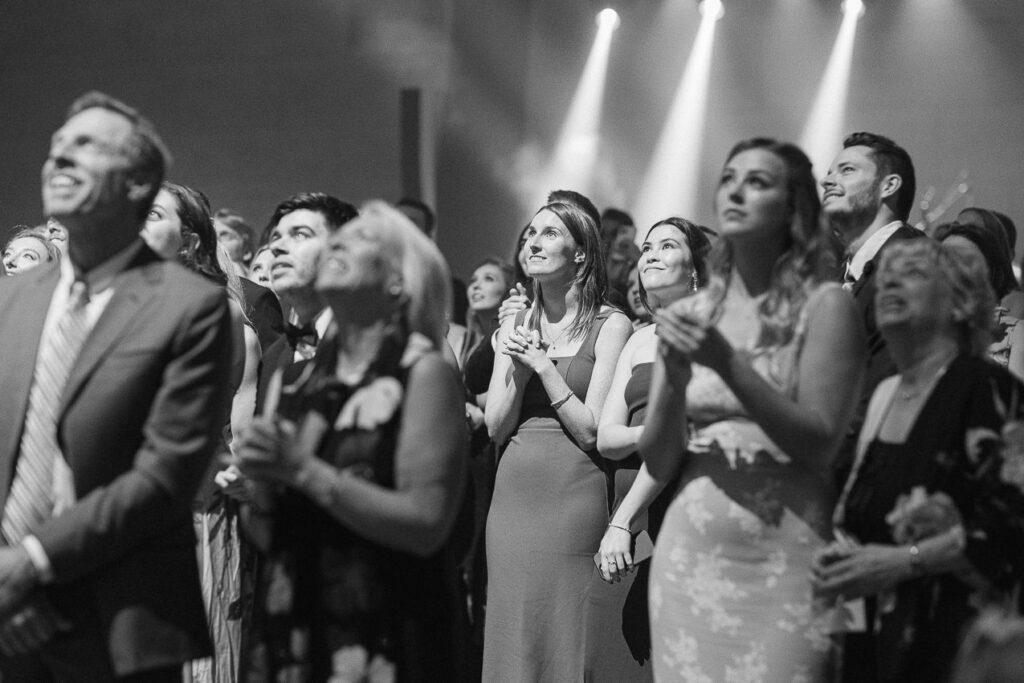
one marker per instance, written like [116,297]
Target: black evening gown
[953,447]
[331,602]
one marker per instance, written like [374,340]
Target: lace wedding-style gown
[730,594]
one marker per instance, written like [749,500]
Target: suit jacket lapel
[25,311]
[133,288]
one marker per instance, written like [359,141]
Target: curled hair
[590,281]
[409,253]
[890,159]
[698,244]
[966,279]
[801,264]
[986,234]
[52,252]
[146,151]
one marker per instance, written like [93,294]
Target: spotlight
[608,17]
[714,8]
[854,7]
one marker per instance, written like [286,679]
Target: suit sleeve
[180,434]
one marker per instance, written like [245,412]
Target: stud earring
[395,291]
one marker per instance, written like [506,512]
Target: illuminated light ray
[572,164]
[823,132]
[670,183]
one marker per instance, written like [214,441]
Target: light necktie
[30,500]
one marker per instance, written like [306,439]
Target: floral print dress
[962,464]
[730,596]
[332,605]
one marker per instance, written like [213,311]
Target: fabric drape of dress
[730,594]
[332,605]
[957,446]
[547,515]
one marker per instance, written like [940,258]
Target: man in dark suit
[297,239]
[869,191]
[116,387]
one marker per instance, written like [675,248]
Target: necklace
[909,393]
[548,338]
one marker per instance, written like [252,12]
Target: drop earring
[693,281]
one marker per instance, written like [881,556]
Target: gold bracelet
[558,404]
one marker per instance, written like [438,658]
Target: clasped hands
[848,570]
[525,347]
[684,337]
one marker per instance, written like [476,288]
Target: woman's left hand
[269,451]
[688,336]
[865,570]
[523,346]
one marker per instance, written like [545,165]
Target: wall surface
[260,100]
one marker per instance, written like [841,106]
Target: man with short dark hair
[868,194]
[297,238]
[116,388]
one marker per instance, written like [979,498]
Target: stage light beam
[671,182]
[823,131]
[572,164]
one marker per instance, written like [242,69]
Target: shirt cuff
[39,559]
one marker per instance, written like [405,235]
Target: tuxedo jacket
[880,364]
[139,421]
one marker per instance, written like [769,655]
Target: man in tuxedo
[116,387]
[868,194]
[297,239]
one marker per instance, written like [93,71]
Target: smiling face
[297,242]
[162,230]
[57,234]
[852,188]
[354,264]
[752,200]
[665,259]
[24,254]
[550,249]
[486,288]
[87,170]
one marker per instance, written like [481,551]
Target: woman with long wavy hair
[754,386]
[550,504]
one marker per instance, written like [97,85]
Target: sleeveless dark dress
[547,516]
[330,602]
[618,634]
[953,447]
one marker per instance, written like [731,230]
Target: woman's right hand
[616,552]
[515,301]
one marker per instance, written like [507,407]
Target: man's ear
[890,185]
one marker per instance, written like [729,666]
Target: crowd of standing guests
[788,447]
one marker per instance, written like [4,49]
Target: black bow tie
[297,335]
